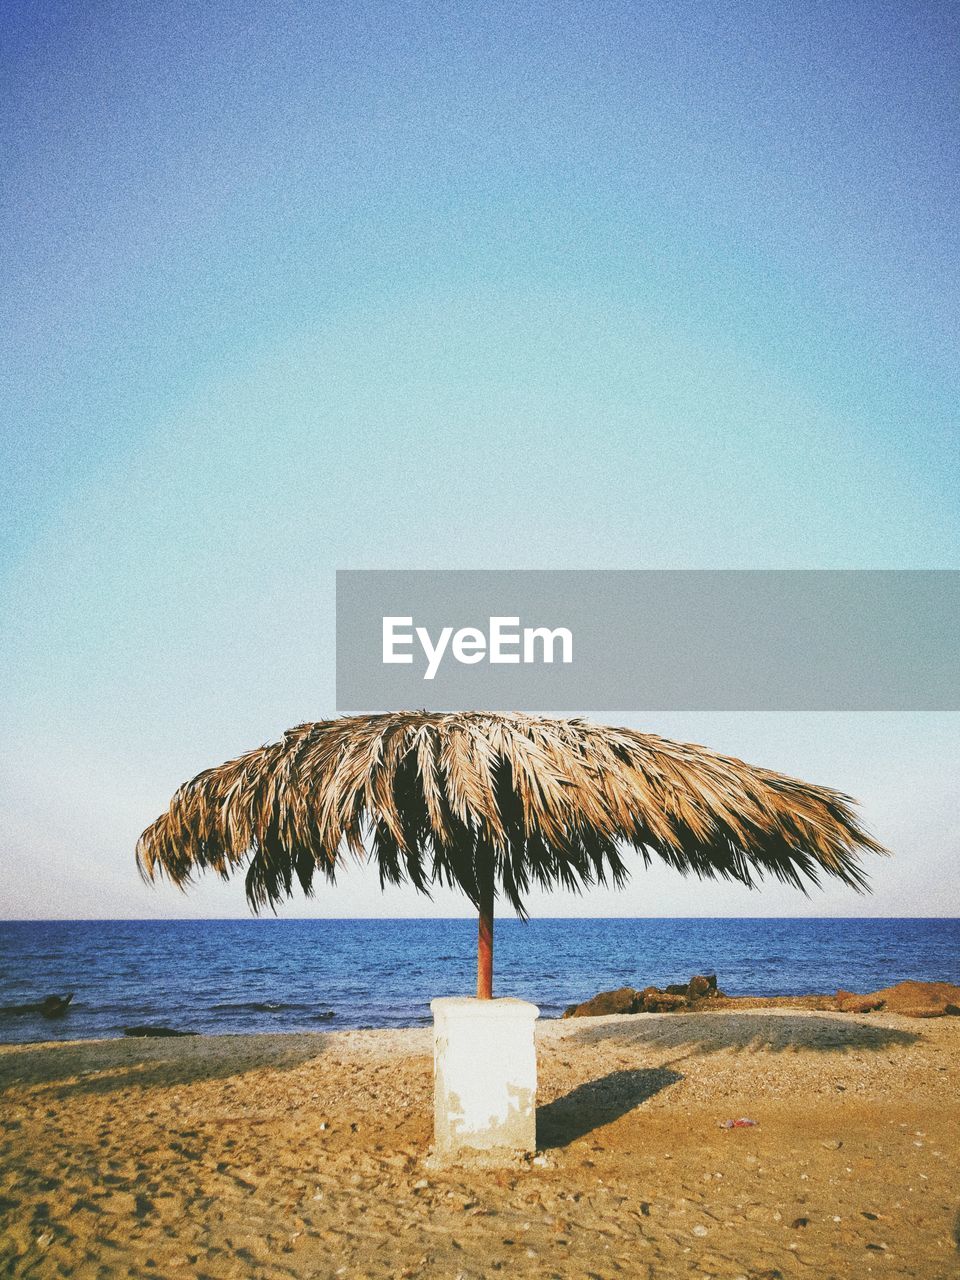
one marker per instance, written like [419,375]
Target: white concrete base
[485,1077]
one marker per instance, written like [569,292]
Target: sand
[304,1155]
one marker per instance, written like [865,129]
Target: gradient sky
[288,288]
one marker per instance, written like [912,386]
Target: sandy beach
[305,1155]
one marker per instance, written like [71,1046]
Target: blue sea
[226,976]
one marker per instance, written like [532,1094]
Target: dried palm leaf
[495,803]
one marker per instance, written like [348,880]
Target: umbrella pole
[485,935]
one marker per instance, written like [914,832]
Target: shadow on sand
[102,1066]
[675,1037]
[599,1102]
[698,1034]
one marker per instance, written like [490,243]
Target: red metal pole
[485,934]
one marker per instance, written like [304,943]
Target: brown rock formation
[912,999]
[623,1000]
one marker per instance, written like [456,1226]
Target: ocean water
[252,975]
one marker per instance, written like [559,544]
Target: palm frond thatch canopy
[479,801]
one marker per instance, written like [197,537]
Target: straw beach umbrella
[494,804]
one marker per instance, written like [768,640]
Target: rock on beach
[681,995]
[911,999]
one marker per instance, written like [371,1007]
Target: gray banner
[648,640]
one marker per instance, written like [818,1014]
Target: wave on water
[299,1010]
[258,1006]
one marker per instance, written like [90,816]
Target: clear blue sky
[288,288]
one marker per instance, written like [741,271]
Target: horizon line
[274,919]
